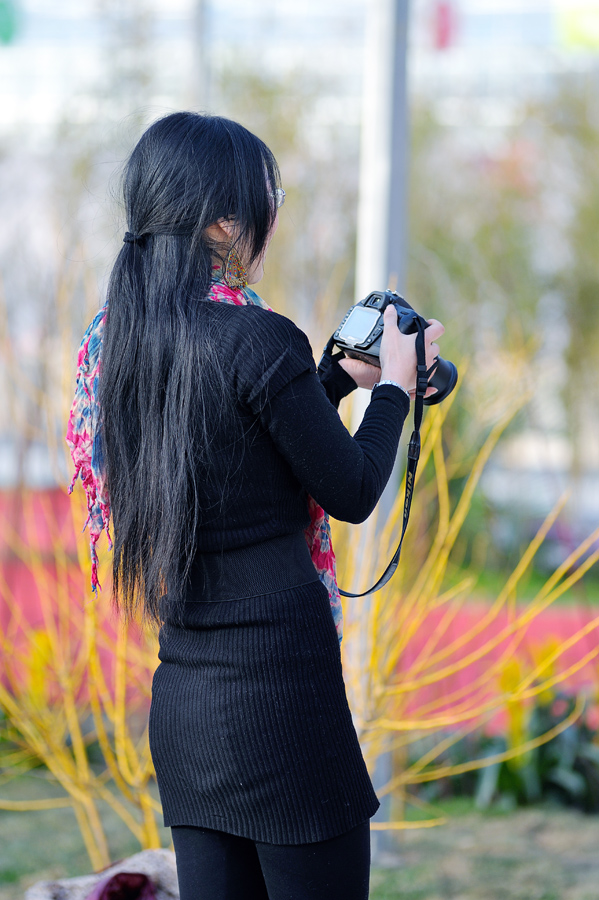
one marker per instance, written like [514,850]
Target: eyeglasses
[278,196]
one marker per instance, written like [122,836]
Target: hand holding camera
[396,348]
[365,335]
[398,351]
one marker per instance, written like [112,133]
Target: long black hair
[159,364]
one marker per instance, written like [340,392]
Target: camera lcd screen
[360,323]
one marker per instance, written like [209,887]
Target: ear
[228,226]
[221,231]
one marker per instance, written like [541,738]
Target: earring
[234,274]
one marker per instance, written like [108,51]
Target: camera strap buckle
[421,380]
[414,446]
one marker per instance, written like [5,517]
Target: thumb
[390,315]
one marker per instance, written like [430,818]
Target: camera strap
[326,360]
[412,464]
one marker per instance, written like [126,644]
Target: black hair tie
[131,238]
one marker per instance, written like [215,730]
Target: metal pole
[201,74]
[382,226]
[382,206]
[382,200]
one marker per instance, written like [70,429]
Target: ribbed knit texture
[264,352]
[250,729]
[260,741]
[295,442]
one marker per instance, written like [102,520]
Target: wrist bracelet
[395,384]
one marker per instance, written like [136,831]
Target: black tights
[213,865]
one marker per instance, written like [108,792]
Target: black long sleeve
[289,440]
[346,475]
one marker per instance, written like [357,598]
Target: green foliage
[499,222]
[503,249]
[563,771]
[472,233]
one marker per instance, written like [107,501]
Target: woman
[209,439]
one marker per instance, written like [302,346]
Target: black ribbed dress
[250,729]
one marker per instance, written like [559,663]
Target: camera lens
[444,379]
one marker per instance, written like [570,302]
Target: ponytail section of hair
[163,381]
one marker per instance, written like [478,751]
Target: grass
[489,582]
[533,854]
[47,844]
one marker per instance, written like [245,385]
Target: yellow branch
[32,805]
[98,853]
[122,812]
[407,826]
[536,607]
[459,769]
[489,617]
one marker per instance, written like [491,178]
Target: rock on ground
[158,865]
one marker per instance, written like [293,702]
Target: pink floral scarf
[84,437]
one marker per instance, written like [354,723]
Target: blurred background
[502,183]
[482,187]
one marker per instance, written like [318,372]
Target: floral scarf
[84,437]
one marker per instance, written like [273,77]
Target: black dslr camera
[359,336]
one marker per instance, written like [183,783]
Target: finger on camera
[429,393]
[431,355]
[435,329]
[363,374]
